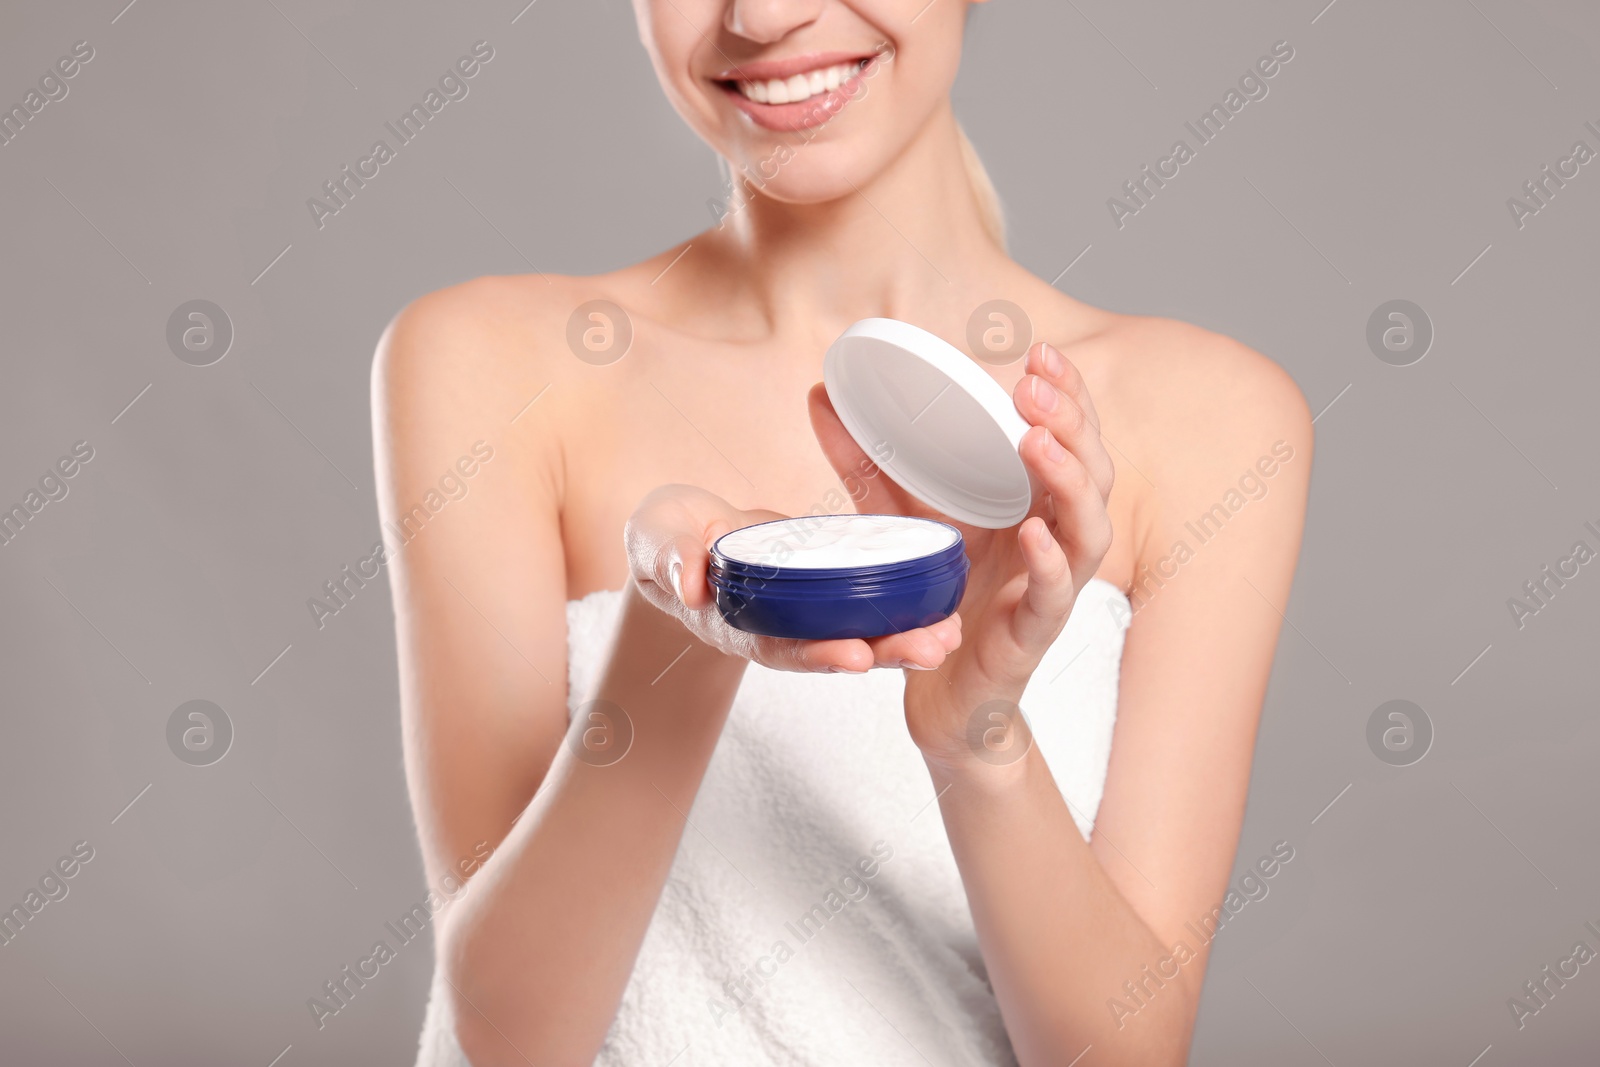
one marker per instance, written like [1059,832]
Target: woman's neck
[910,242]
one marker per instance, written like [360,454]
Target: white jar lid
[952,432]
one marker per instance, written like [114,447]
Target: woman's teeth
[801,86]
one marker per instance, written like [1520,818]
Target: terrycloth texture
[769,946]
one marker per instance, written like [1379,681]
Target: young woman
[800,856]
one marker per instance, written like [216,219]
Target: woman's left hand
[1025,579]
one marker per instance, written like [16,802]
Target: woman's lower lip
[807,113]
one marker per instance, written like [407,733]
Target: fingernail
[1052,361]
[1043,393]
[1052,448]
[675,575]
[916,667]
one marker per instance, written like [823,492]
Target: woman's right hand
[668,539]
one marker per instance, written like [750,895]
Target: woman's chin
[819,186]
[814,172]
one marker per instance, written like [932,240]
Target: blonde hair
[989,209]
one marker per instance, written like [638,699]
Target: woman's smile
[799,92]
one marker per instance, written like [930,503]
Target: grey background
[178,167]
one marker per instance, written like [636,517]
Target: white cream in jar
[829,541]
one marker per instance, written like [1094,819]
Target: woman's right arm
[539,949]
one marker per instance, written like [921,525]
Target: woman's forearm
[540,950]
[1058,938]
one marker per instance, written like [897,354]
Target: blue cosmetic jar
[933,421]
[822,577]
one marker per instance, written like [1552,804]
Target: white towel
[770,944]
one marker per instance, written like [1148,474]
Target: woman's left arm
[1086,944]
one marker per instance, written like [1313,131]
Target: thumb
[683,565]
[858,471]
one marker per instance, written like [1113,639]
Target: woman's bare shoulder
[1175,370]
[1188,401]
[488,331]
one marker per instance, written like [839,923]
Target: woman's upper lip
[781,69]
